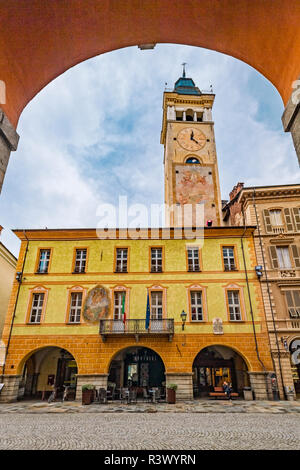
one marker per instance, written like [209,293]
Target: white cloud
[94,133]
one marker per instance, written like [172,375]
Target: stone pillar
[184,382]
[8,142]
[291,117]
[99,380]
[286,369]
[9,393]
[260,385]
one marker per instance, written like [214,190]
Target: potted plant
[171,393]
[88,393]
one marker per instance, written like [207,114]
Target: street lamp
[183,318]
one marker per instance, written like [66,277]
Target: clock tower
[190,161]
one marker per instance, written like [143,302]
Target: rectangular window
[234,305]
[118,298]
[80,261]
[193,259]
[293,303]
[75,307]
[36,308]
[121,260]
[228,258]
[44,261]
[196,306]
[156,260]
[276,218]
[283,257]
[156,305]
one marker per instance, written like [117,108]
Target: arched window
[193,160]
[189,115]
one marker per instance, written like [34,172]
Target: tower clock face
[191,138]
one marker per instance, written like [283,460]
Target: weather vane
[183,73]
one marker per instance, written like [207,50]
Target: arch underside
[41,40]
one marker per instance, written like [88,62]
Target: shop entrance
[137,368]
[216,364]
[47,369]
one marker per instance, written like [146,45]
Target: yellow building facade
[38,337]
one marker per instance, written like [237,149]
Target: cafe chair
[102,395]
[146,395]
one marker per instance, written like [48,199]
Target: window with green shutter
[296,214]
[296,255]
[273,256]
[267,219]
[293,303]
[288,220]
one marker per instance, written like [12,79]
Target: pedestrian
[227,389]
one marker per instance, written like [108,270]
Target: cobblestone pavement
[195,406]
[141,431]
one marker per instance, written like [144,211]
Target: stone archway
[137,367]
[46,39]
[45,369]
[215,364]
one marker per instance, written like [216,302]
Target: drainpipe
[16,302]
[251,309]
[270,301]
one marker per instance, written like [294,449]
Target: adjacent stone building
[275,210]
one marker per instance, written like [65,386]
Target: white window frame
[157,299]
[80,260]
[121,259]
[75,310]
[197,305]
[156,257]
[36,310]
[118,296]
[193,259]
[234,305]
[44,260]
[228,259]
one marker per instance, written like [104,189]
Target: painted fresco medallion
[96,305]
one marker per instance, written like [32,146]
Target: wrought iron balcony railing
[164,326]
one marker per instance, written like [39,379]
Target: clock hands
[192,137]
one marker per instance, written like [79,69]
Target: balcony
[277,229]
[137,328]
[286,325]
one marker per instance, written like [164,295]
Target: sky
[93,134]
